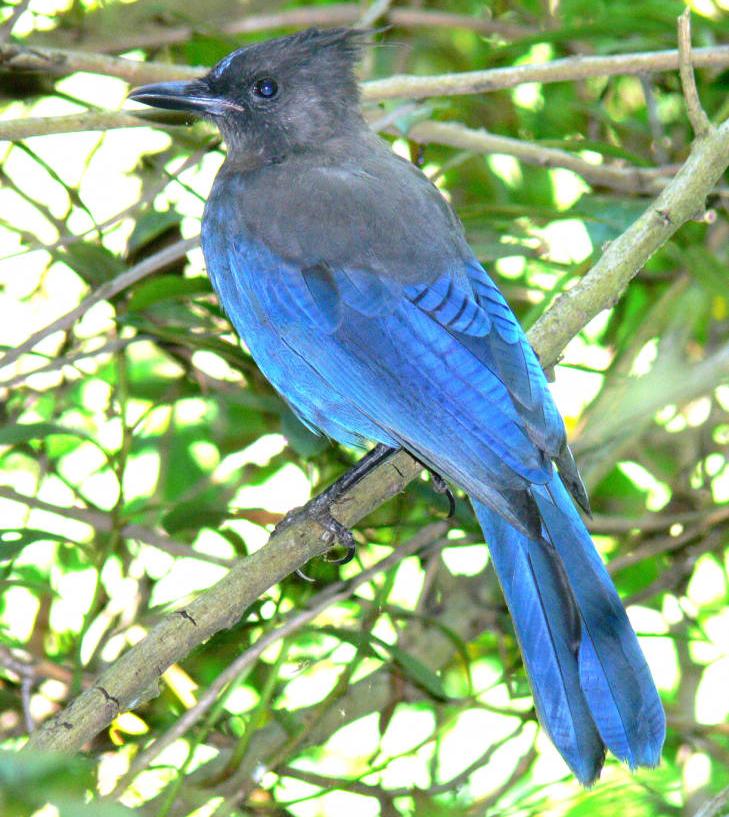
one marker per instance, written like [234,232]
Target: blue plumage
[349,278]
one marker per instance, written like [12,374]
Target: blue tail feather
[592,687]
[614,674]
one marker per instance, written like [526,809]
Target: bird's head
[274,97]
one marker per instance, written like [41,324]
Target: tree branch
[464,606]
[564,70]
[626,255]
[58,61]
[135,674]
[333,594]
[629,179]
[14,57]
[632,179]
[335,14]
[13,130]
[104,524]
[696,114]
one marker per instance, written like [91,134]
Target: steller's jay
[348,276]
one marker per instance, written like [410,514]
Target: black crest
[323,58]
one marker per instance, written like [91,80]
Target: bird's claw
[342,536]
[338,534]
[319,509]
[440,486]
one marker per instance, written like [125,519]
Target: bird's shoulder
[355,204]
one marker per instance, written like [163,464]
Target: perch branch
[625,256]
[295,621]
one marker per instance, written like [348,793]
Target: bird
[349,278]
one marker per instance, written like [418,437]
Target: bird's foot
[336,534]
[319,509]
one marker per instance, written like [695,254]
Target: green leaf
[149,226]
[709,271]
[93,262]
[13,540]
[417,672]
[24,432]
[412,667]
[165,287]
[194,515]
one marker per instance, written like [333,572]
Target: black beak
[194,96]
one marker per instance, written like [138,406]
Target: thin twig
[654,120]
[696,114]
[7,27]
[376,9]
[334,14]
[144,268]
[371,790]
[671,579]
[718,805]
[630,179]
[104,524]
[25,670]
[652,522]
[60,61]
[669,544]
[74,357]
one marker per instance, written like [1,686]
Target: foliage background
[141,451]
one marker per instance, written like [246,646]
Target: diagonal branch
[339,591]
[680,201]
[136,673]
[155,262]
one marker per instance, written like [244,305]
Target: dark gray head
[275,97]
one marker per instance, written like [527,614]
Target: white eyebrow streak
[224,63]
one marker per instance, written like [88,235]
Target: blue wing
[442,369]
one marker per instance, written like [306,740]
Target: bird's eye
[266,88]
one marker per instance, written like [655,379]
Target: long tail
[592,687]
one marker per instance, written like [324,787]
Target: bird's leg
[320,507]
[440,486]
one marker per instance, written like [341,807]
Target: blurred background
[141,452]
